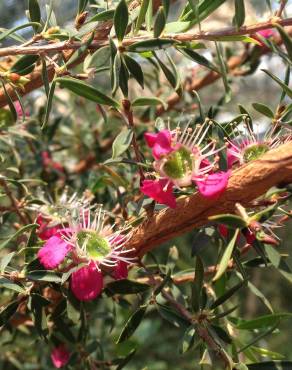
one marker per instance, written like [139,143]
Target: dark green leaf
[239,16]
[188,339]
[5,34]
[198,58]
[82,5]
[103,16]
[45,77]
[226,256]
[9,284]
[135,69]
[132,324]
[152,44]
[232,221]
[227,295]
[263,109]
[271,365]
[286,39]
[172,317]
[34,12]
[142,13]
[221,333]
[125,360]
[159,23]
[121,19]
[18,232]
[262,321]
[8,311]
[284,87]
[43,275]
[140,102]
[49,103]
[125,286]
[10,105]
[197,285]
[86,91]
[5,261]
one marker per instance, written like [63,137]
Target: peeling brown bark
[246,184]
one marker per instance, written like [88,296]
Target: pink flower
[53,252]
[87,282]
[159,190]
[181,160]
[60,356]
[267,33]
[121,270]
[213,185]
[86,241]
[160,143]
[50,163]
[45,231]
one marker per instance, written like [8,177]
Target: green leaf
[82,5]
[286,40]
[45,77]
[98,59]
[151,44]
[8,311]
[49,103]
[271,365]
[171,74]
[172,317]
[140,102]
[121,19]
[124,361]
[8,284]
[229,293]
[116,72]
[34,12]
[18,232]
[106,15]
[5,261]
[262,321]
[188,340]
[122,143]
[5,34]
[198,58]
[239,16]
[11,106]
[205,8]
[263,109]
[287,90]
[197,285]
[43,275]
[24,65]
[86,91]
[125,286]
[232,221]
[226,256]
[142,13]
[224,71]
[159,23]
[132,324]
[135,69]
[240,38]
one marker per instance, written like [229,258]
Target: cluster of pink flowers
[87,246]
[180,160]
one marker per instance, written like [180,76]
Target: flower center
[95,245]
[178,163]
[254,152]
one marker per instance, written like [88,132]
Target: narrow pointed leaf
[132,324]
[121,19]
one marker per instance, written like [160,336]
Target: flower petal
[45,232]
[213,185]
[162,144]
[87,283]
[60,356]
[157,190]
[53,252]
[150,139]
[121,270]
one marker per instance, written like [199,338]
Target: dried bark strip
[246,184]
